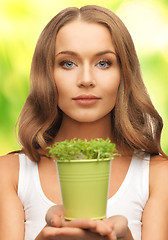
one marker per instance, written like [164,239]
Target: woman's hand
[82,229]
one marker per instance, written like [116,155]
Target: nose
[86,78]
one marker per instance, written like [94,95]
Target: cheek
[64,96]
[64,82]
[61,84]
[61,89]
[111,89]
[111,80]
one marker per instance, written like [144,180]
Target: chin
[87,119]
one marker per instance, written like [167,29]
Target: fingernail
[51,222]
[114,236]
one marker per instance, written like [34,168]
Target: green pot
[84,187]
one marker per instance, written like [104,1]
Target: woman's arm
[155,215]
[11,210]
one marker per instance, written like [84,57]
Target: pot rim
[84,160]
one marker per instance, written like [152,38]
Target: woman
[86,83]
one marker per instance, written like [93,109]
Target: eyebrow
[75,54]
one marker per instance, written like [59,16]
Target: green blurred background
[21,22]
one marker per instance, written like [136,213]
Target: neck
[73,129]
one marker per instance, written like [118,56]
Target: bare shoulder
[9,169]
[158,163]
[9,161]
[158,174]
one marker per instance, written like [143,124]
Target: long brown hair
[136,123]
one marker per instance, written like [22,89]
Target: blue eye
[104,64]
[67,64]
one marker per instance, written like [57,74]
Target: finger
[54,216]
[52,232]
[70,233]
[102,228]
[109,222]
[84,223]
[120,224]
[112,236]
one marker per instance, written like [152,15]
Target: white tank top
[128,201]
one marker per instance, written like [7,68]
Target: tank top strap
[141,170]
[27,170]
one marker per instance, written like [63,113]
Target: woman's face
[86,72]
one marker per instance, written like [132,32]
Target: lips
[86,99]
[85,96]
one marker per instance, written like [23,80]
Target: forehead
[79,35]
